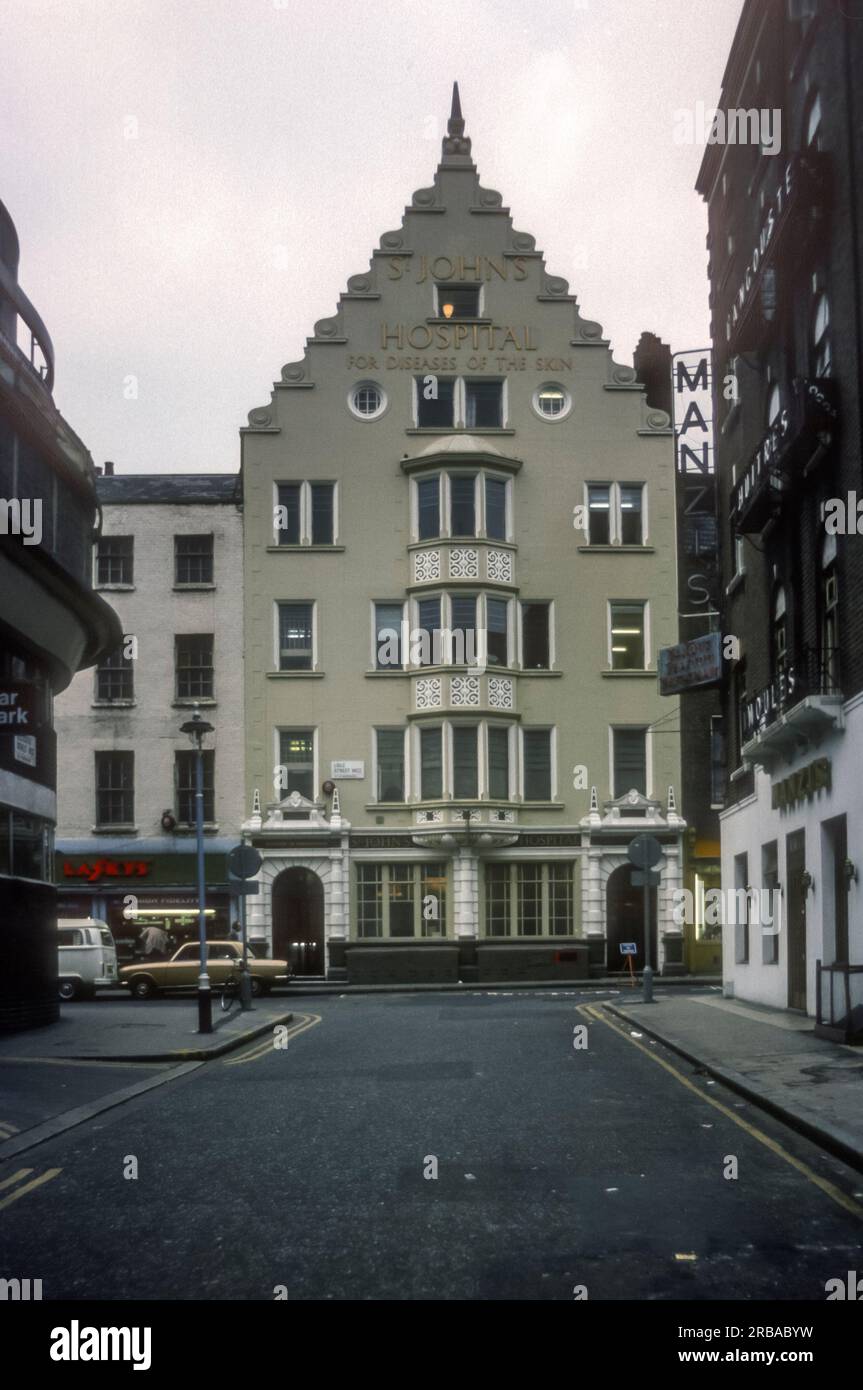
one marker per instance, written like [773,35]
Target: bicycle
[231,993]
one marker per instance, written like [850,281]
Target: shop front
[132,885]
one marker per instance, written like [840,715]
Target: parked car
[86,957]
[146,978]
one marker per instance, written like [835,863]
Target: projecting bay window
[497,631]
[627,636]
[463,646]
[465,762]
[462,492]
[184,778]
[401,900]
[305,513]
[461,505]
[537,764]
[431,764]
[629,761]
[390,764]
[498,762]
[429,627]
[296,644]
[529,899]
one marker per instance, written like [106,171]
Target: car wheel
[142,988]
[68,989]
[257,987]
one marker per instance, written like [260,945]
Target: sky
[193,181]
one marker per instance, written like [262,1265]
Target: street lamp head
[196,728]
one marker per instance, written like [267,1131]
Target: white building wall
[753,823]
[154,612]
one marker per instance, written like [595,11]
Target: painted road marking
[829,1188]
[301,1025]
[7,1129]
[28,1186]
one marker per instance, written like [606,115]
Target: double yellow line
[26,1186]
[301,1024]
[593,1012]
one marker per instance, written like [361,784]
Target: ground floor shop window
[529,899]
[401,900]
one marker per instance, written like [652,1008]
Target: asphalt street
[312,1167]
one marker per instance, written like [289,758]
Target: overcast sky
[193,181]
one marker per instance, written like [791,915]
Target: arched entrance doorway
[298,921]
[624,917]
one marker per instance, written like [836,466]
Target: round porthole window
[551,401]
[367,400]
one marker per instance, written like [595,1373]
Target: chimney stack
[109,469]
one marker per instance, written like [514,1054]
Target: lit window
[295,637]
[297,762]
[551,401]
[631,531]
[457,301]
[367,400]
[627,636]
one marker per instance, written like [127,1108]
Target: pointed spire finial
[456,145]
[455,124]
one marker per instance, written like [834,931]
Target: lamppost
[197,728]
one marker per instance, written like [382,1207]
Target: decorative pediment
[294,810]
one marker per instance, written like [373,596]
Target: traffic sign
[644,851]
[628,948]
[243,889]
[244,861]
[639,878]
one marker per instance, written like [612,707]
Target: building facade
[170,560]
[51,625]
[460,563]
[785,238]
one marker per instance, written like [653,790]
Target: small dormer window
[457,301]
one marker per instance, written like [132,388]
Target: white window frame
[417,753]
[391,728]
[277,645]
[366,384]
[615,508]
[305,486]
[482,526]
[633,603]
[373,636]
[552,746]
[567,402]
[552,654]
[485,759]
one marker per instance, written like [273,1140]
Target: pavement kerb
[836,1141]
[186,1054]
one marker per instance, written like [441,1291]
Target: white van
[87,957]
